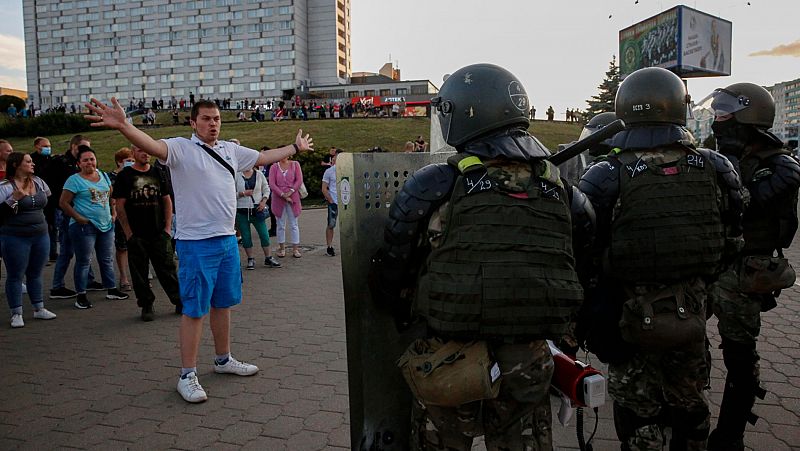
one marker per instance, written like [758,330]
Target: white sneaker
[190,389]
[234,366]
[16,320]
[43,313]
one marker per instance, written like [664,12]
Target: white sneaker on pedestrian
[234,366]
[43,313]
[16,321]
[190,389]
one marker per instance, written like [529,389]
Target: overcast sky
[560,50]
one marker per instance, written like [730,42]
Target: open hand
[106,116]
[304,142]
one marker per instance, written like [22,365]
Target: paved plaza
[102,379]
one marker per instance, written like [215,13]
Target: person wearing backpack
[478,253]
[668,220]
[744,113]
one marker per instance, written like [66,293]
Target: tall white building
[787,109]
[145,49]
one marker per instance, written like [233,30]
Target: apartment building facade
[145,49]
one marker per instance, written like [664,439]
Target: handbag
[259,215]
[303,191]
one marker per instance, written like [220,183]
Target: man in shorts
[329,191]
[209,273]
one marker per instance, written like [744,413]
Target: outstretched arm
[301,144]
[113,116]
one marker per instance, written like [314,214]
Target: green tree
[604,100]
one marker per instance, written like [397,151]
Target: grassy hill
[352,135]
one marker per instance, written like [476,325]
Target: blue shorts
[209,274]
[333,213]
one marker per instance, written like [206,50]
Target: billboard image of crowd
[688,42]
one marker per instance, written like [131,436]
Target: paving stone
[322,421]
[283,427]
[241,432]
[308,440]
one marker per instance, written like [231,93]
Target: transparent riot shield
[380,402]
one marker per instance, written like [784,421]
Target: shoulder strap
[219,159]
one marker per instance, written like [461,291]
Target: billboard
[686,41]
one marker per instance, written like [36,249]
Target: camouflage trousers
[658,388]
[739,314]
[519,419]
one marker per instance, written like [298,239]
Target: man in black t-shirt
[144,210]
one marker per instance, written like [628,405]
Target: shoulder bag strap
[219,159]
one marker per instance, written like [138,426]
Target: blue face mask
[127,163]
[46,151]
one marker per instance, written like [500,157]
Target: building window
[353,94]
[369,92]
[419,89]
[386,92]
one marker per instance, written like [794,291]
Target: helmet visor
[444,114]
[723,102]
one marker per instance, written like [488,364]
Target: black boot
[741,386]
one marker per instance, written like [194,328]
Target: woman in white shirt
[252,192]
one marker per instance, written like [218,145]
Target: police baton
[595,138]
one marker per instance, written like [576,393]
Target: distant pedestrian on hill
[550,113]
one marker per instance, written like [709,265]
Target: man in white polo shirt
[202,170]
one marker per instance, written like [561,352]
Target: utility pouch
[450,373]
[664,320]
[762,274]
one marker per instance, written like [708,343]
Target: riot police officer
[662,235]
[573,169]
[479,251]
[744,113]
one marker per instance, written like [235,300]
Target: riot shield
[380,402]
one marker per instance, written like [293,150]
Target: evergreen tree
[604,100]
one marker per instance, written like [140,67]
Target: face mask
[731,137]
[127,163]
[46,151]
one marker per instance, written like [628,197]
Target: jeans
[65,246]
[84,238]
[24,255]
[294,229]
[243,221]
[158,251]
[52,230]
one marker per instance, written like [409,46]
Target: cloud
[13,82]
[12,52]
[792,49]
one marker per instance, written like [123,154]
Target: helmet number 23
[641,107]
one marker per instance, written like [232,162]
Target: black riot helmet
[652,96]
[596,123]
[748,103]
[479,99]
